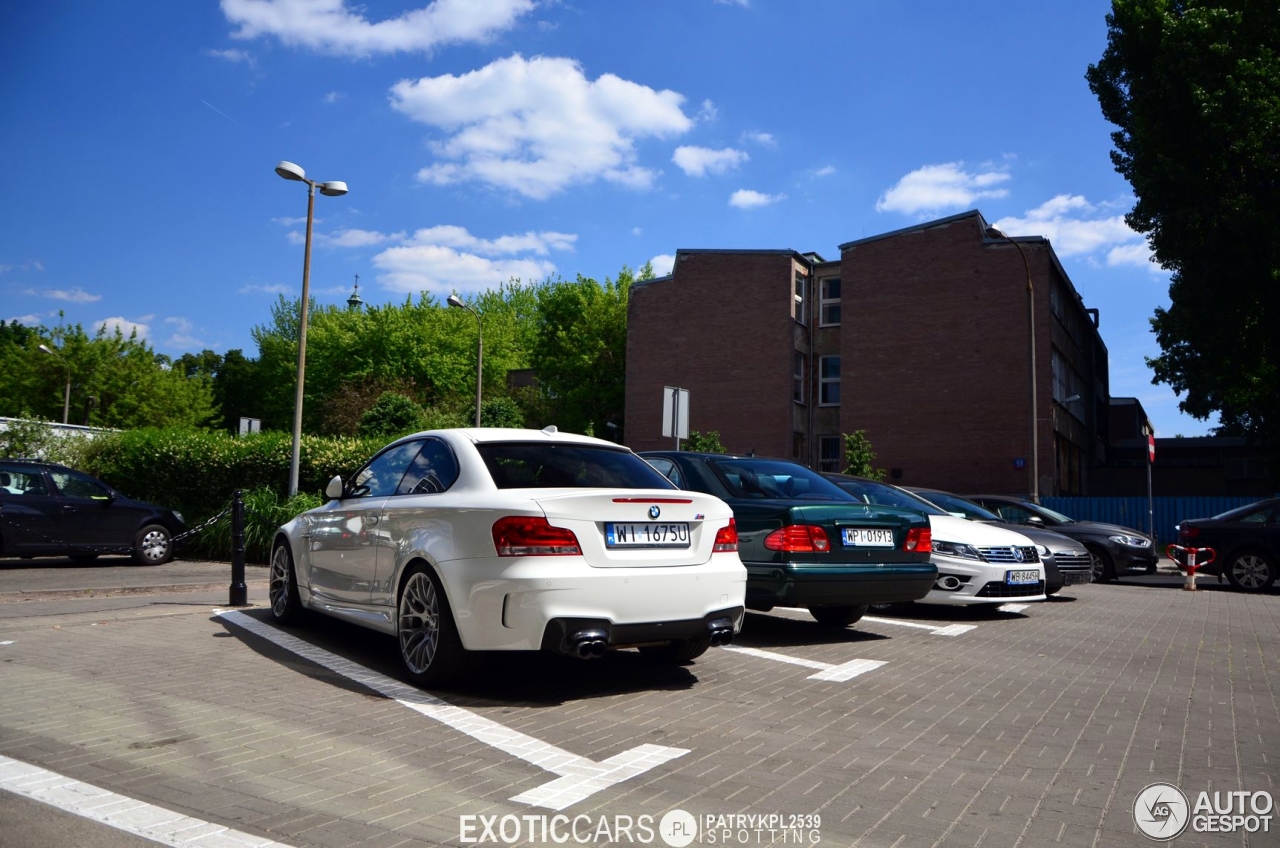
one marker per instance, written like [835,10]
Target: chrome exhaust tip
[721,632]
[589,644]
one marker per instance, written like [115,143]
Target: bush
[391,416]
[708,442]
[264,512]
[500,412]
[27,439]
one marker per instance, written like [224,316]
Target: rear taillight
[1188,532]
[798,539]
[529,535]
[919,539]
[726,538]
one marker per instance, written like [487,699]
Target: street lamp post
[1034,465]
[66,395]
[333,188]
[457,303]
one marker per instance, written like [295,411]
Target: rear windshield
[886,495]
[774,478]
[534,465]
[953,504]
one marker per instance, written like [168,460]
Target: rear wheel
[1251,571]
[1104,567]
[677,652]
[838,616]
[153,545]
[429,642]
[282,592]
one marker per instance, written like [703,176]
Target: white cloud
[270,288]
[637,231]
[447,258]
[700,161]
[329,26]
[29,320]
[707,113]
[29,265]
[233,55]
[333,97]
[937,188]
[293,222]
[345,238]
[763,139]
[742,3]
[1138,254]
[183,334]
[1071,223]
[537,126]
[745,198]
[125,326]
[824,171]
[662,264]
[73,295]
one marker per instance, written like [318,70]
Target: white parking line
[119,811]
[948,630]
[579,777]
[1012,607]
[7,642]
[826,671]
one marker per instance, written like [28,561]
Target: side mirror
[1036,520]
[333,491]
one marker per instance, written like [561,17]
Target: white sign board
[675,412]
[250,425]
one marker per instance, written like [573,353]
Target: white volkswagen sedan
[459,541]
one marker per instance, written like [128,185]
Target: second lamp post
[457,303]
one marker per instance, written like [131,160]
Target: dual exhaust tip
[594,643]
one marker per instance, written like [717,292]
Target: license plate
[647,535]
[865,538]
[1021,578]
[1077,577]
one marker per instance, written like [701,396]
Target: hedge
[196,472]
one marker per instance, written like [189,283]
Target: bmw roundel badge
[654,512]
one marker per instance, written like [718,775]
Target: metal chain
[102,549]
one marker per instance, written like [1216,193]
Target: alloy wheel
[419,626]
[1250,571]
[278,592]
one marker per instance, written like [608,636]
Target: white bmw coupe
[459,541]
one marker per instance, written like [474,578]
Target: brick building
[917,336]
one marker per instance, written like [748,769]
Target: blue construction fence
[1132,512]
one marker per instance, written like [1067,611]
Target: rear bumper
[795,585]
[559,633]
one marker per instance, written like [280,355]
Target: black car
[1066,561]
[52,510]
[806,542]
[1246,541]
[1115,550]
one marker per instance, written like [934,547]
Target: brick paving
[1032,729]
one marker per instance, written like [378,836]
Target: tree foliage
[1194,89]
[391,416]
[708,442]
[859,458]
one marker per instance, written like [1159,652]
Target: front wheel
[282,592]
[153,545]
[1251,571]
[677,652]
[1104,567]
[429,642]
[838,616]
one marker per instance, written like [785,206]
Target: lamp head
[333,188]
[456,301]
[290,171]
[45,349]
[995,232]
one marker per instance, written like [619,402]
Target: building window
[829,453]
[801,283]
[797,392]
[797,446]
[829,381]
[829,307]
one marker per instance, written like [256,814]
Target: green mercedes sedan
[805,541]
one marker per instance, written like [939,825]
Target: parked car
[977,563]
[51,510]
[1114,550]
[459,541]
[804,541]
[1246,541]
[1066,561]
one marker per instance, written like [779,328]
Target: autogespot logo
[1161,811]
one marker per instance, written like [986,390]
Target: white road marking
[1012,607]
[579,777]
[826,671]
[9,642]
[948,630]
[119,811]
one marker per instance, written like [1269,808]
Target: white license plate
[647,535]
[1021,578]
[1075,577]
[864,538]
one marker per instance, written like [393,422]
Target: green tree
[500,412]
[392,415]
[708,442]
[1194,89]
[858,456]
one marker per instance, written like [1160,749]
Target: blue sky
[483,139]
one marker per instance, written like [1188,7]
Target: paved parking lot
[1032,727]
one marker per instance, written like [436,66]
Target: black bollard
[239,591]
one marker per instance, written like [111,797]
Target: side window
[1256,517]
[433,470]
[19,480]
[668,468]
[384,472]
[1013,514]
[77,486]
